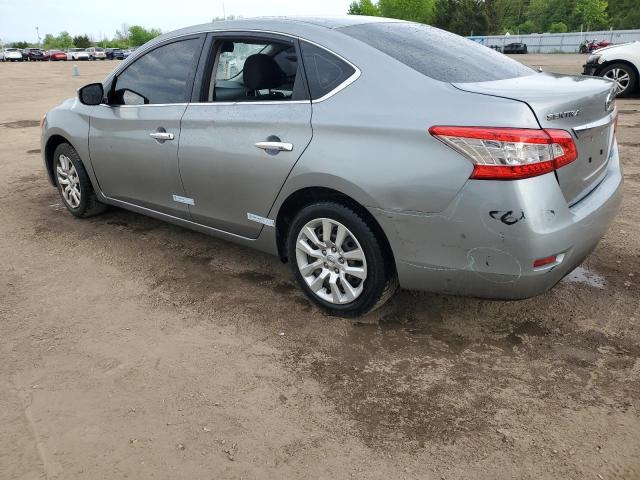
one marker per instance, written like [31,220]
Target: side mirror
[91,94]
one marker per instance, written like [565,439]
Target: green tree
[64,41]
[538,13]
[443,13]
[515,12]
[495,16]
[412,10]
[558,27]
[526,27]
[139,35]
[470,18]
[591,13]
[48,42]
[82,41]
[500,16]
[624,14]
[364,7]
[61,42]
[20,45]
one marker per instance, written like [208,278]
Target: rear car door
[246,129]
[133,141]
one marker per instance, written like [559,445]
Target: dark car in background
[512,48]
[34,55]
[114,54]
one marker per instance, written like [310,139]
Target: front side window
[161,76]
[255,70]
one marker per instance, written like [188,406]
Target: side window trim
[348,81]
[113,80]
[210,51]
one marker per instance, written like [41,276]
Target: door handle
[162,136]
[275,146]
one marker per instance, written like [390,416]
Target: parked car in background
[618,63]
[57,55]
[12,55]
[77,54]
[128,52]
[114,53]
[34,55]
[96,53]
[495,181]
[513,48]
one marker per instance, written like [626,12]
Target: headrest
[227,47]
[261,72]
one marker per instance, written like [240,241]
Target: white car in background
[12,55]
[619,63]
[96,53]
[77,54]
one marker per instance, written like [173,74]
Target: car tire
[74,185]
[360,251]
[624,75]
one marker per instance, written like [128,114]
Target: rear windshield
[437,54]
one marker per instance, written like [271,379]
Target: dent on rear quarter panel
[376,137]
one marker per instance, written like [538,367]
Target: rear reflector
[541,262]
[509,153]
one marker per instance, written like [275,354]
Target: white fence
[558,42]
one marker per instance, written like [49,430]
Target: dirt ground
[130,348]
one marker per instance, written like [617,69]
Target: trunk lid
[581,105]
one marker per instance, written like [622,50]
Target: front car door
[133,140]
[245,132]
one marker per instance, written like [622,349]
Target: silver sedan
[367,153]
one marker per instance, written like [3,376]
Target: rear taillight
[509,153]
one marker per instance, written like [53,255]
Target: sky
[99,19]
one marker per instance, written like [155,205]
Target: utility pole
[38,34]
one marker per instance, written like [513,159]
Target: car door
[133,140]
[244,135]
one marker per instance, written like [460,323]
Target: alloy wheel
[331,261]
[621,77]
[68,181]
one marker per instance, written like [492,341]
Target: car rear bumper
[484,244]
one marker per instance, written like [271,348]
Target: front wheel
[339,261]
[624,77]
[73,183]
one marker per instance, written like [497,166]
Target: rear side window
[160,76]
[437,54]
[324,70]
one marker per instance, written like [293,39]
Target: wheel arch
[302,197]
[50,147]
[625,62]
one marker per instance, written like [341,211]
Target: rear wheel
[623,75]
[73,183]
[338,260]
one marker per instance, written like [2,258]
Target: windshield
[437,54]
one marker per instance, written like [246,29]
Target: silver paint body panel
[369,141]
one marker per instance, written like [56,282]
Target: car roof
[290,25]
